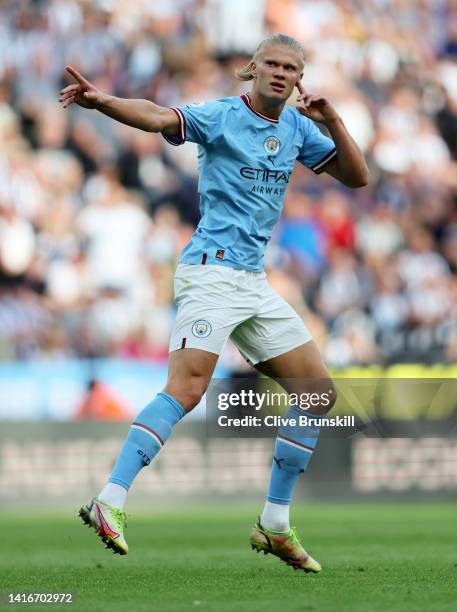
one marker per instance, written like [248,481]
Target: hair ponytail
[245,73]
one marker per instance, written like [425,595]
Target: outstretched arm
[349,167]
[141,114]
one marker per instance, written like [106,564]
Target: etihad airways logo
[265,175]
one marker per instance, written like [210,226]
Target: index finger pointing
[75,74]
[300,87]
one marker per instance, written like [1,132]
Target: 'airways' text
[277,191]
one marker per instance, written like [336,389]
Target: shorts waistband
[228,270]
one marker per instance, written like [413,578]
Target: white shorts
[215,303]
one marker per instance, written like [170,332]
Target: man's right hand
[82,92]
[141,114]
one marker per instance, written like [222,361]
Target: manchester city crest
[271,145]
[201,329]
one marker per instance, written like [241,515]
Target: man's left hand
[316,108]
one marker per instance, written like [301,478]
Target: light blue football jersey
[245,163]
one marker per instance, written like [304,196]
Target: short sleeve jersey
[245,163]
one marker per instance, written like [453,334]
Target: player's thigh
[206,314]
[204,321]
[278,344]
[302,371]
[189,374]
[304,361]
[274,330]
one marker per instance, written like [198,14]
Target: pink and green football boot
[108,522]
[284,545]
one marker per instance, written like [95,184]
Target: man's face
[277,71]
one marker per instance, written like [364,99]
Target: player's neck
[265,106]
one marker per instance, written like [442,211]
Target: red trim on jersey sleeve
[180,138]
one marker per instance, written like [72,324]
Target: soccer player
[247,148]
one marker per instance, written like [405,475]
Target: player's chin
[279,94]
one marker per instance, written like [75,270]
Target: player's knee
[194,393]
[327,397]
[317,396]
[320,396]
[188,392]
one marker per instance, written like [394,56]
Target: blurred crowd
[93,214]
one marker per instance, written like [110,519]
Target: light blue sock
[293,449]
[146,437]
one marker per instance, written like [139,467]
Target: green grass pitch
[375,558]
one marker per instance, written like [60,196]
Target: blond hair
[245,73]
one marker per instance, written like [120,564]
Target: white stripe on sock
[150,433]
[296,445]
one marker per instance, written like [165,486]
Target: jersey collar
[247,101]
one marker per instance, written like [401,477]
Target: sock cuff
[279,501]
[114,480]
[180,412]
